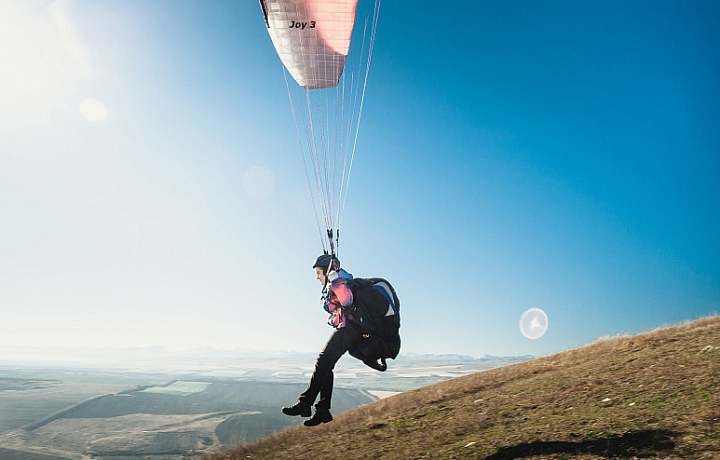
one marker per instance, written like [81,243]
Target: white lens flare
[533,323]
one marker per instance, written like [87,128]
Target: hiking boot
[298,408]
[321,416]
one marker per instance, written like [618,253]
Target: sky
[512,155]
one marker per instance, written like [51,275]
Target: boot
[298,408]
[321,416]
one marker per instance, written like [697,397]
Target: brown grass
[654,396]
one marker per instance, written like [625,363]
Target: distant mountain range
[408,371]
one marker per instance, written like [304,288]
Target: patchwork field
[135,404]
[27,401]
[54,419]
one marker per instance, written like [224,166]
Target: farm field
[26,401]
[132,404]
[51,419]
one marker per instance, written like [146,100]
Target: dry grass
[655,396]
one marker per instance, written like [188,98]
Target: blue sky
[511,155]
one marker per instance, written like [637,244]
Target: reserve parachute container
[327,50]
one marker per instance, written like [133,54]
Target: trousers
[321,382]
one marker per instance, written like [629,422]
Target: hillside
[655,395]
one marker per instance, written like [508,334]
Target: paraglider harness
[376,312]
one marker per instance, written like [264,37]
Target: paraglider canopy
[312,37]
[329,59]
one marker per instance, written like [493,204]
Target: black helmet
[325,261]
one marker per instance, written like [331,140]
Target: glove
[332,276]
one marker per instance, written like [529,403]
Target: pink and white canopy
[312,37]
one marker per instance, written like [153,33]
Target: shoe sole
[301,414]
[312,423]
[317,424]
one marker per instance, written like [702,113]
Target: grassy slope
[655,395]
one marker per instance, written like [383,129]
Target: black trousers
[321,382]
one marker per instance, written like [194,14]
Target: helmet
[327,261]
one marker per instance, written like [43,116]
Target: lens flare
[533,323]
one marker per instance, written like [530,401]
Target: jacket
[338,296]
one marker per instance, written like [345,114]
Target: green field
[179,388]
